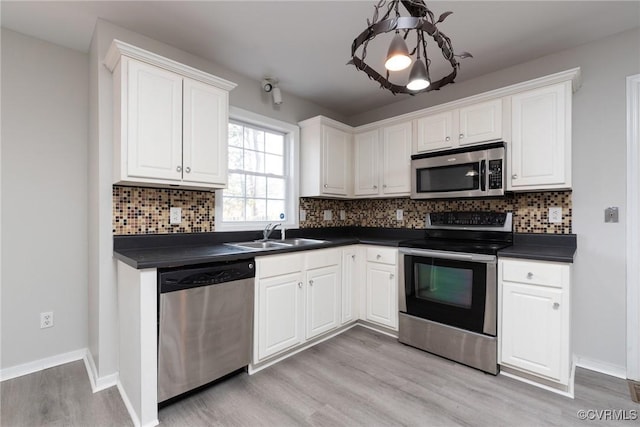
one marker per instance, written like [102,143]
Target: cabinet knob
[187,169]
[353,257]
[514,176]
[447,139]
[300,285]
[325,186]
[179,169]
[462,136]
[378,256]
[375,187]
[391,276]
[384,185]
[311,282]
[556,305]
[529,275]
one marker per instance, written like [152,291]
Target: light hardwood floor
[358,378]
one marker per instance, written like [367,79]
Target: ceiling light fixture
[270,85]
[422,23]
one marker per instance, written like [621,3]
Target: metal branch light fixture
[419,26]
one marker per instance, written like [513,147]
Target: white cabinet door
[396,159]
[323,300]
[153,122]
[541,134]
[280,317]
[480,122]
[336,160]
[205,133]
[381,290]
[533,329]
[434,132]
[350,281]
[366,170]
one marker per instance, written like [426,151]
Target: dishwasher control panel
[175,279]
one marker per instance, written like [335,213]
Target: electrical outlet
[555,215]
[46,319]
[343,215]
[303,215]
[399,214]
[175,216]
[328,215]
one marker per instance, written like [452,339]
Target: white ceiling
[306,44]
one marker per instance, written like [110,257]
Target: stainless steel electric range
[448,304]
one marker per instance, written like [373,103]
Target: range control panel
[497,219]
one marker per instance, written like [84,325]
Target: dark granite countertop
[542,247]
[174,250]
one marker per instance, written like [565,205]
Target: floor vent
[634,389]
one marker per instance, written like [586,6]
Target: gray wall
[599,180]
[44,198]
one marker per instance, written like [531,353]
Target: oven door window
[461,177]
[446,291]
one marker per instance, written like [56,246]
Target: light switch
[611,214]
[343,215]
[175,216]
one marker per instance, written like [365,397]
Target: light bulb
[398,55]
[418,77]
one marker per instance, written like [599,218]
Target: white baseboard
[39,365]
[98,383]
[602,367]
[132,412]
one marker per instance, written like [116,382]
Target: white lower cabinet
[297,298]
[381,286]
[534,318]
[351,273]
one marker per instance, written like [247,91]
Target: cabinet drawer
[382,255]
[538,273]
[323,258]
[276,265]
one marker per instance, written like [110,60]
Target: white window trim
[292,136]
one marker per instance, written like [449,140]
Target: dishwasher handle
[177,279]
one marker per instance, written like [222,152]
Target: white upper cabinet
[170,121]
[472,124]
[325,160]
[382,161]
[541,139]
[366,158]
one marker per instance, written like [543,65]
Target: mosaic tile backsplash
[530,211]
[138,210]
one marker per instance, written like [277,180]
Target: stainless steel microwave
[477,171]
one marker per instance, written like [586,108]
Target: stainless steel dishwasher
[205,318]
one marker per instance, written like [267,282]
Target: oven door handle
[449,255]
[483,175]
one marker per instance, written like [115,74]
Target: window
[262,164]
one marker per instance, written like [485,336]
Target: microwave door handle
[483,175]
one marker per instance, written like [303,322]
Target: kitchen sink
[302,242]
[261,244]
[275,244]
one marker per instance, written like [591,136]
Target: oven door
[451,288]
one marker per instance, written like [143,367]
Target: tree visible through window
[257,186]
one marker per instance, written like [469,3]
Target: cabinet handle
[514,176]
[529,275]
[556,305]
[311,282]
[391,276]
[179,169]
[300,285]
[447,139]
[462,136]
[187,169]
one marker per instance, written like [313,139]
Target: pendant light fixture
[422,22]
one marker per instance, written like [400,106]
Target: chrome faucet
[268,230]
